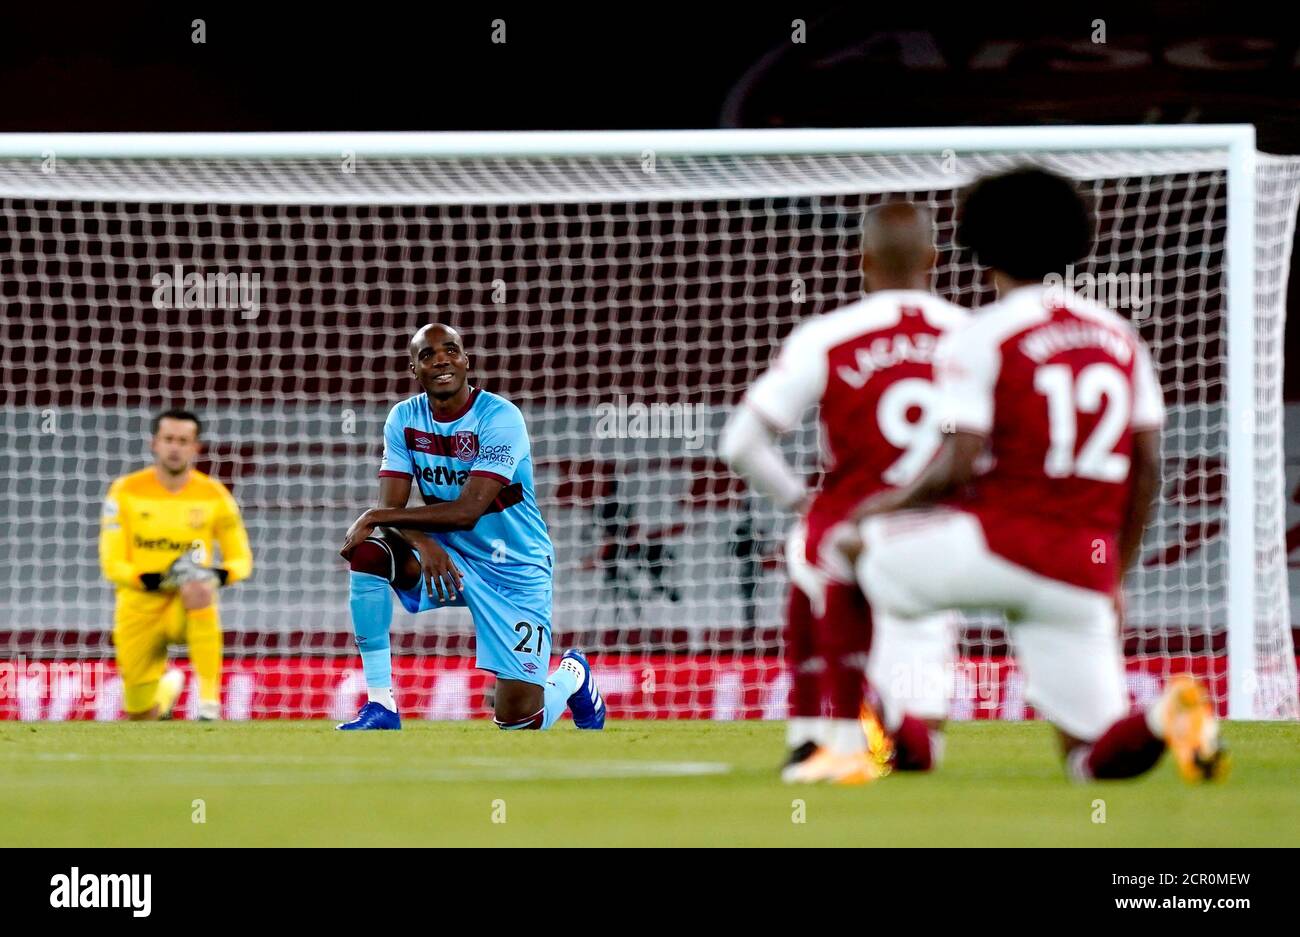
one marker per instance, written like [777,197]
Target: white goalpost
[622,288]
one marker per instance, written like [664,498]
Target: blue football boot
[373,716]
[586,704]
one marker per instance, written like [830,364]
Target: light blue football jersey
[510,544]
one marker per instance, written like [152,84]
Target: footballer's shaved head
[439,363]
[435,333]
[898,246]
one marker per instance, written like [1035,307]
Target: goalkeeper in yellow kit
[155,546]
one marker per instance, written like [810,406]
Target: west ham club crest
[466,445]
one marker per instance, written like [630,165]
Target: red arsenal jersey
[869,366]
[1059,385]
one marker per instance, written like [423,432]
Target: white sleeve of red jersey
[1148,404]
[966,370]
[795,382]
[746,445]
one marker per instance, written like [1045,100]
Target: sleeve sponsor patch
[496,455]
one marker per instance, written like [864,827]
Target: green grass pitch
[637,783]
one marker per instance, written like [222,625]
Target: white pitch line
[465,769]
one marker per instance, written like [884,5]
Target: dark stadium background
[662,65]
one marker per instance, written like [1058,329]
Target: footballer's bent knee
[517,704]
[387,556]
[374,556]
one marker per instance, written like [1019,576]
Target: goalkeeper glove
[184,570]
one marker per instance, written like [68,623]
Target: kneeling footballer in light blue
[478,541]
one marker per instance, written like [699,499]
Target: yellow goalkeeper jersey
[145,527]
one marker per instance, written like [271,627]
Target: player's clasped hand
[437,569]
[361,529]
[197,594]
[183,571]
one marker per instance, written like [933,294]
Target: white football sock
[845,736]
[1155,717]
[383,696]
[1076,764]
[937,744]
[803,729]
[568,676]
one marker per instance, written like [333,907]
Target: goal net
[623,290]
